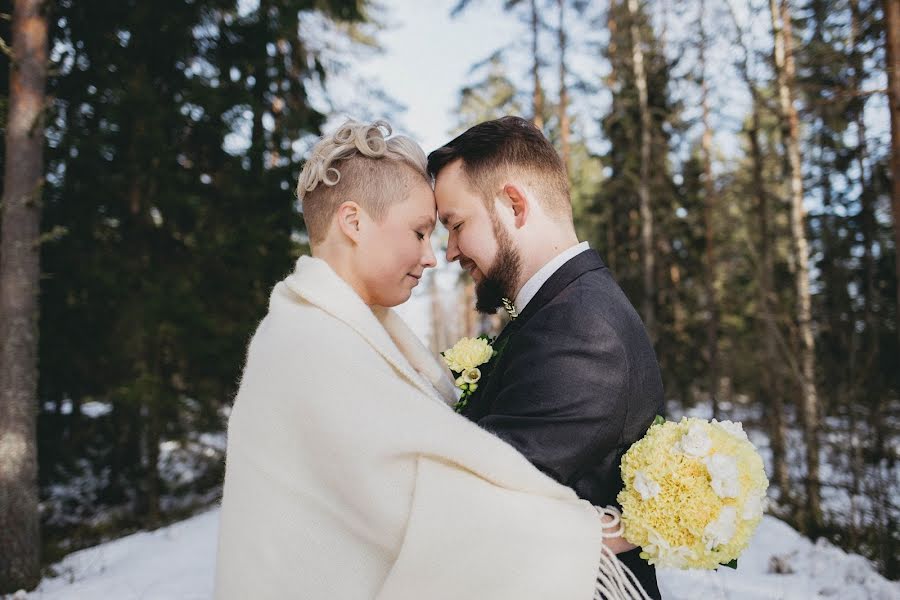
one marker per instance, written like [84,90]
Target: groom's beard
[500,281]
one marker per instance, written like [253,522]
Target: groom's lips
[471,268]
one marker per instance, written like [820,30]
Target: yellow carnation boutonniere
[464,360]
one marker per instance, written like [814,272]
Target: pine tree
[23,181]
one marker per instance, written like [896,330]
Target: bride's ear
[348,219]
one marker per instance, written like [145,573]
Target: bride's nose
[428,259]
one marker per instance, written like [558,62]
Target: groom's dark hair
[494,150]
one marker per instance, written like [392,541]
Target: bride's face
[392,255]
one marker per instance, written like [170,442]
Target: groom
[576,381]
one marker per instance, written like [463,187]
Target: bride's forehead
[418,204]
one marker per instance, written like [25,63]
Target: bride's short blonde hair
[358,162]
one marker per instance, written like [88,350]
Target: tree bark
[257,151]
[564,124]
[712,304]
[538,93]
[19,285]
[785,71]
[770,380]
[892,43]
[611,51]
[868,226]
[640,78]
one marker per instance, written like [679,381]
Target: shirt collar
[533,285]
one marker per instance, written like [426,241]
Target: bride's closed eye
[420,235]
[457,226]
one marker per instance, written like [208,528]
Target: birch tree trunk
[712,304]
[809,402]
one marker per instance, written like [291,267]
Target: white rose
[665,554]
[645,486]
[754,506]
[723,470]
[695,443]
[721,530]
[733,428]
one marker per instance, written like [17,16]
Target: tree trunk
[770,381]
[19,285]
[868,373]
[892,41]
[538,94]
[257,153]
[712,304]
[866,213]
[640,78]
[784,66]
[152,438]
[612,48]
[564,124]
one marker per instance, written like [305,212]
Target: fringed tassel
[615,581]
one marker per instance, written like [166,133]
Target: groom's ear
[518,202]
[348,218]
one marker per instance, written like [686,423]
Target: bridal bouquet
[694,493]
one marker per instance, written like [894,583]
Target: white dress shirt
[537,280]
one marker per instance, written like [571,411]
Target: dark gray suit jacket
[576,382]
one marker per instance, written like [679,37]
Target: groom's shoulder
[588,301]
[597,294]
[592,308]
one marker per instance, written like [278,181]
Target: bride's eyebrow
[426,221]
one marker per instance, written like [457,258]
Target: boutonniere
[469,356]
[464,360]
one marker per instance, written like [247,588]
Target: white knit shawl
[348,476]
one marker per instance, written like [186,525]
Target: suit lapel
[315,281]
[480,403]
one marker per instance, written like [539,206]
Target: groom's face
[477,239]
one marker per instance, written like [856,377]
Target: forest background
[735,162]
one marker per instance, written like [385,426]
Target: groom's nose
[452,248]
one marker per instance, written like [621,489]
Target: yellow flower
[689,522]
[468,353]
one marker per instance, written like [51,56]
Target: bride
[348,475]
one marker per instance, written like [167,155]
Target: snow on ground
[177,562]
